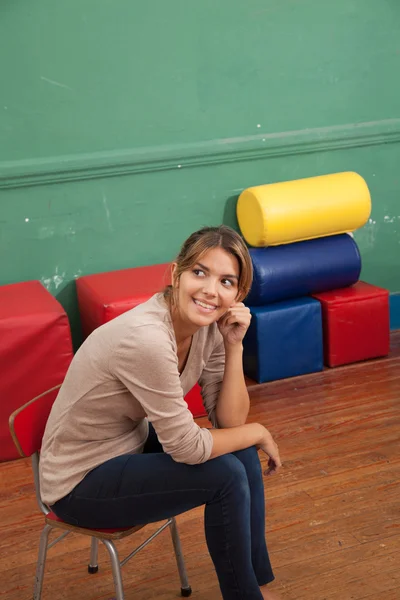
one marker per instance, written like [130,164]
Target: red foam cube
[35,350]
[104,296]
[355,323]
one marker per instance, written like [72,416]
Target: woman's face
[208,289]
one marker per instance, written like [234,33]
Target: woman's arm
[244,436]
[144,360]
[233,401]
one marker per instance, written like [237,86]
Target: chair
[27,425]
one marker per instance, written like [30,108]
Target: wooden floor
[333,512]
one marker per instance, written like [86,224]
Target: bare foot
[268,595]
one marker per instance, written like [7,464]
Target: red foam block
[35,350]
[355,323]
[104,296]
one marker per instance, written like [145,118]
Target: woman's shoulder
[153,313]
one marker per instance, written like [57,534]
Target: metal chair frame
[96,535]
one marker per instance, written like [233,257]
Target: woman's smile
[205,306]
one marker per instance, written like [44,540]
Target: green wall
[125,126]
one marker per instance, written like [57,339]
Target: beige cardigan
[125,371]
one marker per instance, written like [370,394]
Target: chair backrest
[27,423]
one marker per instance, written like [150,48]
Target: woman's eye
[227,282]
[198,272]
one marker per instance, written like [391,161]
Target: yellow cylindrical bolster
[292,211]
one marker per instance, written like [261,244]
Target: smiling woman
[121,447]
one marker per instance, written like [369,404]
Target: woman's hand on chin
[234,324]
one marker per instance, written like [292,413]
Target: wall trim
[21,173]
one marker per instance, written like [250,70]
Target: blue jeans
[144,488]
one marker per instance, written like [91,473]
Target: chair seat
[109,534]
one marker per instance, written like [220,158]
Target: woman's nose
[210,287]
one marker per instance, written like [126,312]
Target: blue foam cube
[284,340]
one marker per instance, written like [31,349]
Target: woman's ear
[174,275]
[240,296]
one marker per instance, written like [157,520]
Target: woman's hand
[234,323]
[270,448]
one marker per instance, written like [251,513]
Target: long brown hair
[205,239]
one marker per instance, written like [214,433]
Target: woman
[121,447]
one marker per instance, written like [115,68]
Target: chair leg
[37,592]
[93,567]
[116,569]
[186,590]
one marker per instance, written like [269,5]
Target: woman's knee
[251,461]
[231,474]
[249,454]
